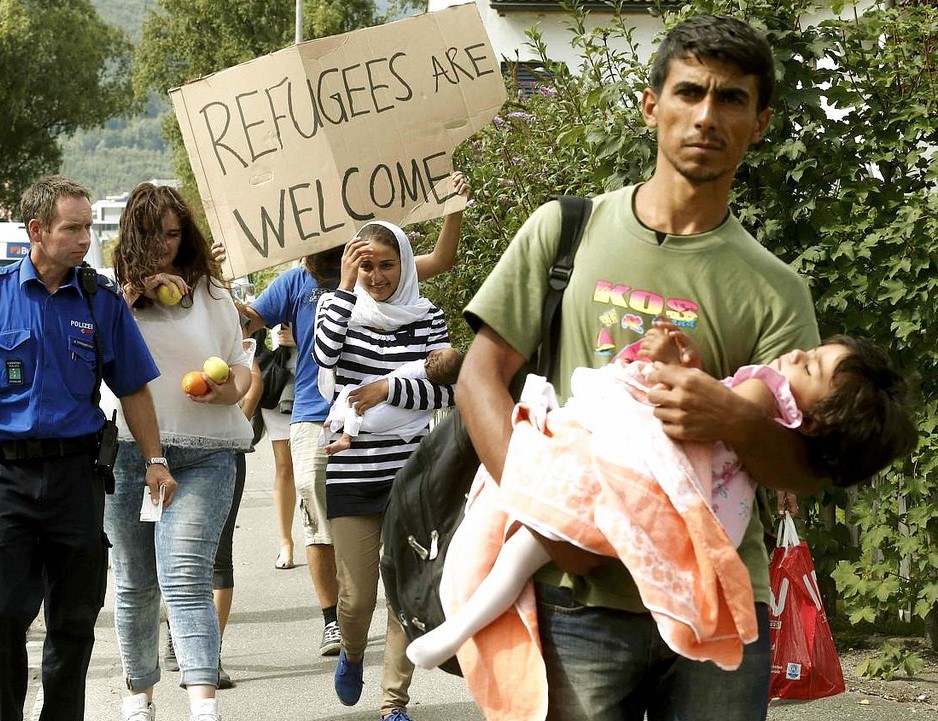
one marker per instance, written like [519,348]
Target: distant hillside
[113,159]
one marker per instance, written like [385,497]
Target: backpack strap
[574,213]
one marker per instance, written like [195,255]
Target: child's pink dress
[602,474]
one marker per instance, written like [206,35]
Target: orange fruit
[194,384]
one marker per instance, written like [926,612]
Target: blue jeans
[172,557]
[608,665]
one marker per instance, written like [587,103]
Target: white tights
[519,558]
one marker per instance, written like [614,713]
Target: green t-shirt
[738,302]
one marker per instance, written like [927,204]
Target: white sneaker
[136,708]
[205,710]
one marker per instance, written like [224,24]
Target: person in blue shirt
[62,328]
[292,298]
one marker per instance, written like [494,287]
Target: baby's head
[443,365]
[864,421]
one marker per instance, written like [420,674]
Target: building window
[526,76]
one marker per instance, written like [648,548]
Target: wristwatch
[157,461]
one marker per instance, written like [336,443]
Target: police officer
[59,336]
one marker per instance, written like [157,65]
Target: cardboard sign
[296,150]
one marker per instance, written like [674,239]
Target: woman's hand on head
[356,250]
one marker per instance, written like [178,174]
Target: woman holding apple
[374,322]
[191,326]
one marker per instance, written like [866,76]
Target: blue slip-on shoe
[348,680]
[397,715]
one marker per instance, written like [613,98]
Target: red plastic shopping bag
[805,664]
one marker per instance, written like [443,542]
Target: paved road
[272,640]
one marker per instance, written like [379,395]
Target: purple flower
[498,120]
[520,115]
[547,91]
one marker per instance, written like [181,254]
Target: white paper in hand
[150,511]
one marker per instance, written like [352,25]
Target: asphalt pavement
[271,649]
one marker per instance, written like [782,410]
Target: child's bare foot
[342,443]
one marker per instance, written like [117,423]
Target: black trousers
[223,570]
[52,550]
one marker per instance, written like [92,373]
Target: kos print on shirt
[627,313]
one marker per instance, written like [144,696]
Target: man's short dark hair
[722,38]
[866,421]
[39,199]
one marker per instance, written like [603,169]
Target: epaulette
[108,283]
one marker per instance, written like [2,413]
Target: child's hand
[666,343]
[657,345]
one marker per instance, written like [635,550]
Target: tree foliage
[63,69]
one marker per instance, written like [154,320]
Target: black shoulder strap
[574,213]
[88,280]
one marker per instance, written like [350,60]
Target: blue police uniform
[52,543]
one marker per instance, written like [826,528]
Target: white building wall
[506,31]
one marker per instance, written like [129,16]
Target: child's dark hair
[866,421]
[443,365]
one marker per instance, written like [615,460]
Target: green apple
[168,294]
[216,369]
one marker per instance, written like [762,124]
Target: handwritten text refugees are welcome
[293,152]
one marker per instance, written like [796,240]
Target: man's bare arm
[141,420]
[254,321]
[693,406]
[483,399]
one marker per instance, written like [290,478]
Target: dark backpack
[427,499]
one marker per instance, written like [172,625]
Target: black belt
[32,450]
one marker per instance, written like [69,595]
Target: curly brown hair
[866,421]
[138,244]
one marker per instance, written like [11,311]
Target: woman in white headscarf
[375,322]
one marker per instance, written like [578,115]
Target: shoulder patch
[108,283]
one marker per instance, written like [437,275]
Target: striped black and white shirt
[358,480]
